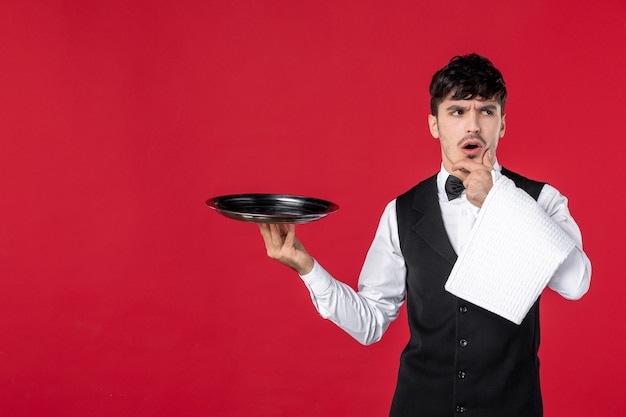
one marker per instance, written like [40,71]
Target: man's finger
[291,235]
[276,235]
[465,166]
[488,159]
[265,232]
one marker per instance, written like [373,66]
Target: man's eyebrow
[456,107]
[488,107]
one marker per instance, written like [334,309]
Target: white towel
[512,252]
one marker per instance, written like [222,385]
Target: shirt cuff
[318,280]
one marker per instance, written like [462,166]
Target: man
[462,358]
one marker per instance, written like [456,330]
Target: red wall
[122,295]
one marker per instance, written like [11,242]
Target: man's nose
[472,123]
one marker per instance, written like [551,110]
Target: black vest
[461,360]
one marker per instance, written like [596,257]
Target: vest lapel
[429,225]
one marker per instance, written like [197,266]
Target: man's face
[467,129]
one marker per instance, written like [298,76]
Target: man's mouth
[472,147]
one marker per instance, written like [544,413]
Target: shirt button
[463,309]
[460,409]
[463,342]
[461,374]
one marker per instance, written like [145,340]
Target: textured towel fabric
[512,252]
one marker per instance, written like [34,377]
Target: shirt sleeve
[365,314]
[573,277]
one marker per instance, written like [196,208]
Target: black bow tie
[454,187]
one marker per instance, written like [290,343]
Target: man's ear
[503,125]
[433,126]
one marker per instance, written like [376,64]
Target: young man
[474,358]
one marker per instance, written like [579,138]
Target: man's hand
[281,244]
[476,177]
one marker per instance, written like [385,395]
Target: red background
[123,295]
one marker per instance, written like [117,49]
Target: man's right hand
[281,244]
[476,177]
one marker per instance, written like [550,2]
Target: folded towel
[512,252]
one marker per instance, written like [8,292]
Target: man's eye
[487,112]
[457,112]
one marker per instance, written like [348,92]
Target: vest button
[461,374]
[463,309]
[460,409]
[463,342]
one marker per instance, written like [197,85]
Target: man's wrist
[306,267]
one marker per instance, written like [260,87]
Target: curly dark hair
[467,77]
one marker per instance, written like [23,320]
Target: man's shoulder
[422,186]
[508,173]
[418,196]
[531,186]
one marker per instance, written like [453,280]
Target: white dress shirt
[366,314]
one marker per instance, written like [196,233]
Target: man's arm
[366,314]
[573,277]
